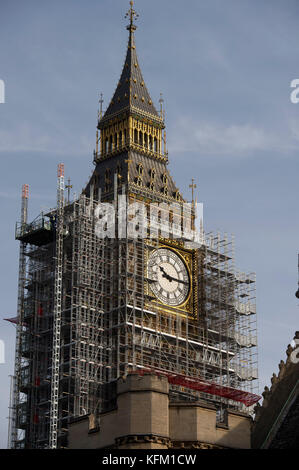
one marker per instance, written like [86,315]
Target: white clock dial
[168,277]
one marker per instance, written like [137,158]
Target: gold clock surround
[190,305]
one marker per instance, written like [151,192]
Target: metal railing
[40,223]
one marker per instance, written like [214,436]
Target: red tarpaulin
[204,386]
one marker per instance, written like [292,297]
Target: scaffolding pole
[15,381]
[54,412]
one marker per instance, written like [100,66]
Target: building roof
[131,93]
[276,421]
[154,178]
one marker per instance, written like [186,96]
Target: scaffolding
[61,341]
[57,311]
[90,317]
[218,346]
[17,398]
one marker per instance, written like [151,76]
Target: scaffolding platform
[39,232]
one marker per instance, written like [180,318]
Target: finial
[192,186]
[161,101]
[100,112]
[132,15]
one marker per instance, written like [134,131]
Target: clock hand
[182,282]
[170,278]
[165,274]
[163,270]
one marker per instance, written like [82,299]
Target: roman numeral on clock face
[169,277]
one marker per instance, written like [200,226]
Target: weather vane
[132,14]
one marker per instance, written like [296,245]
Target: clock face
[168,277]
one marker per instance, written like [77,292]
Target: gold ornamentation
[132,15]
[189,307]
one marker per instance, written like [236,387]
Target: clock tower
[131,160]
[119,281]
[171,305]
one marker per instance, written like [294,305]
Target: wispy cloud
[30,138]
[24,138]
[294,127]
[234,139]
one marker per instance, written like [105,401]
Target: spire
[131,93]
[131,14]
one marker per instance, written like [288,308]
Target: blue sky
[224,69]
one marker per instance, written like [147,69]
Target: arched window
[110,144]
[145,141]
[150,142]
[153,173]
[136,136]
[140,138]
[140,169]
[106,145]
[177,195]
[120,139]
[125,136]
[139,181]
[164,178]
[155,145]
[115,142]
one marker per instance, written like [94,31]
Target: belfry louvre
[92,309]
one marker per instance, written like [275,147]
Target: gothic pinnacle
[132,15]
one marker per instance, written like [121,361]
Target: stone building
[145,417]
[276,423]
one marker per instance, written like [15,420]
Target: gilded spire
[131,92]
[132,15]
